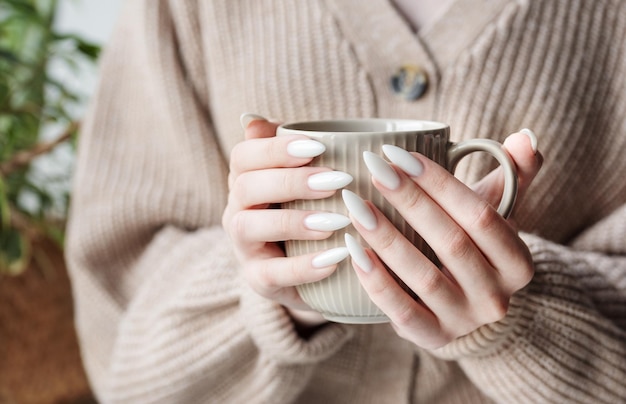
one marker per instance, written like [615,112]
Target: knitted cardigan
[161,310]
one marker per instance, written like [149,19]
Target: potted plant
[34,101]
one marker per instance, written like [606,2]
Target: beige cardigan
[161,311]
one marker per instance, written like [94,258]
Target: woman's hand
[483,260]
[266,170]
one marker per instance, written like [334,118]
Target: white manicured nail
[330,257]
[305,148]
[381,170]
[533,138]
[359,209]
[358,254]
[326,221]
[329,180]
[246,118]
[404,160]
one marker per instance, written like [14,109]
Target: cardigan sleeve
[564,337]
[160,309]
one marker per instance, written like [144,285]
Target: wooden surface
[39,356]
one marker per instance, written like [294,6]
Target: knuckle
[264,279]
[237,225]
[524,276]
[238,188]
[272,153]
[287,182]
[403,316]
[523,273]
[386,240]
[377,290]
[415,199]
[440,184]
[496,307]
[459,244]
[297,273]
[527,271]
[382,289]
[285,223]
[486,217]
[527,274]
[442,339]
[430,282]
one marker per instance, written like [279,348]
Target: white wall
[93,20]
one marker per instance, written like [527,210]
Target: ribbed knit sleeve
[564,338]
[160,307]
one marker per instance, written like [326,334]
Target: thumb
[257,127]
[522,147]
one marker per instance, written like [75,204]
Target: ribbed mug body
[340,297]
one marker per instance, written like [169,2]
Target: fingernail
[246,118]
[381,171]
[359,209]
[329,180]
[533,138]
[403,159]
[358,254]
[326,221]
[330,257]
[305,148]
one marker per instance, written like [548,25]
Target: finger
[270,275]
[407,314]
[273,152]
[447,299]
[454,248]
[261,226]
[521,146]
[259,188]
[479,225]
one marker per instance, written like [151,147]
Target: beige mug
[340,297]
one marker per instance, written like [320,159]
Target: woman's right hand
[267,170]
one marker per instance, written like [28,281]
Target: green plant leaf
[29,100]
[85,47]
[9,56]
[5,210]
[15,252]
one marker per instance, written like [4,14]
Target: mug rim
[393,125]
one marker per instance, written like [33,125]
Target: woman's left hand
[483,259]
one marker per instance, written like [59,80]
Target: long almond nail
[403,159]
[326,221]
[381,171]
[329,180]
[330,257]
[533,138]
[246,118]
[359,209]
[305,148]
[358,254]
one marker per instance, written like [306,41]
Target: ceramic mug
[340,297]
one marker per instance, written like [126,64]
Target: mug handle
[457,151]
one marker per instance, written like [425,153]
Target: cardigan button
[409,82]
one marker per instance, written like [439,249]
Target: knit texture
[161,311]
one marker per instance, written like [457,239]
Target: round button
[409,82]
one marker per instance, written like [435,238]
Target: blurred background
[49,53]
